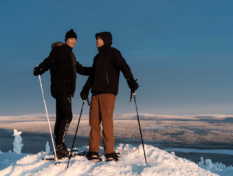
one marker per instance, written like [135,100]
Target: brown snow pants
[102,107]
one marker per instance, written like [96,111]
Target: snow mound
[131,162]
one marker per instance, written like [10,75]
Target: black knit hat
[70,34]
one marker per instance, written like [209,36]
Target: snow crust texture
[160,163]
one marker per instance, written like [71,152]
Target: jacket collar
[103,48]
[68,47]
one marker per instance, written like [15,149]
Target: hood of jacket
[57,44]
[60,44]
[106,36]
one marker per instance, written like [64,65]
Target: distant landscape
[206,132]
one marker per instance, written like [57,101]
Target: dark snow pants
[102,107]
[63,117]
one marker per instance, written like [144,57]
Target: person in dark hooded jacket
[63,68]
[103,82]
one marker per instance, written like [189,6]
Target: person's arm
[86,88]
[89,81]
[121,64]
[45,65]
[83,70]
[88,85]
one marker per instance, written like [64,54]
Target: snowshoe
[74,150]
[112,156]
[83,153]
[93,156]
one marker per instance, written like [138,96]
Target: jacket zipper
[107,78]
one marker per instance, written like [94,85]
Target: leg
[94,122]
[66,115]
[58,118]
[107,105]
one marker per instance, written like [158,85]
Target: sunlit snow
[132,162]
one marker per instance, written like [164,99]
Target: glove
[84,94]
[37,71]
[133,85]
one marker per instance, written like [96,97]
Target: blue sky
[180,51]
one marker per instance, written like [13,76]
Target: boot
[62,151]
[112,156]
[93,156]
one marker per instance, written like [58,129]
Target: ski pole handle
[132,93]
[130,99]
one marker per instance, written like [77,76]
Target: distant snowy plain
[155,129]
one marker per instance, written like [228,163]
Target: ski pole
[76,133]
[48,120]
[138,122]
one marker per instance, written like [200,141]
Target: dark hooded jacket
[63,67]
[106,68]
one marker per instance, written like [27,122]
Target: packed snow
[131,162]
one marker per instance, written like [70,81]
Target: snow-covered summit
[132,162]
